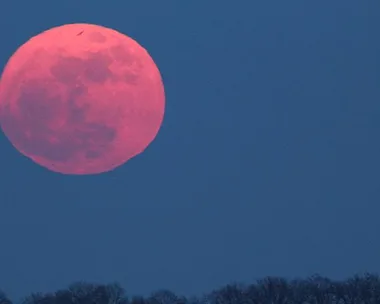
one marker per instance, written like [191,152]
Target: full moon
[81,99]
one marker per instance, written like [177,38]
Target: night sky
[267,162]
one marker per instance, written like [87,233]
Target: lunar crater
[94,68]
[33,106]
[62,145]
[37,135]
[97,37]
[97,68]
[67,69]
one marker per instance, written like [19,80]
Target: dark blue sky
[267,162]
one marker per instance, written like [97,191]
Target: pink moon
[81,99]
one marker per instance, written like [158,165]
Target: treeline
[363,289]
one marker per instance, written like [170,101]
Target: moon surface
[81,99]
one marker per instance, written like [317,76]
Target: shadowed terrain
[363,289]
[54,127]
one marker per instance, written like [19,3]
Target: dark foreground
[364,289]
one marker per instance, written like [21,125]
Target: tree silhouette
[165,297]
[139,300]
[233,294]
[4,299]
[39,298]
[273,290]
